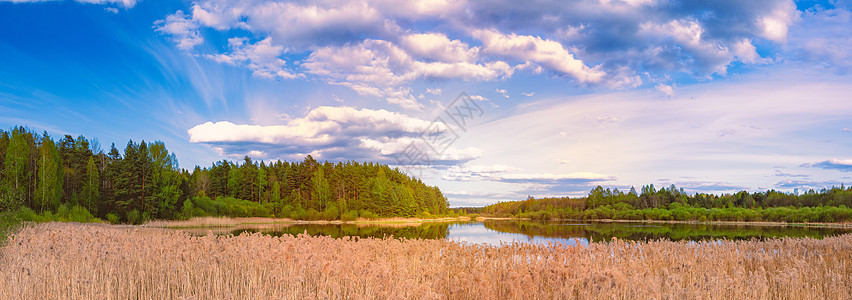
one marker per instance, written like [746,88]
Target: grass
[98,261]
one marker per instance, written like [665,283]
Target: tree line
[672,203]
[145,182]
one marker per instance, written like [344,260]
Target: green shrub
[186,211]
[312,214]
[331,213]
[349,216]
[366,214]
[133,217]
[82,215]
[112,218]
[63,210]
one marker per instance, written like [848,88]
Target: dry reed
[230,222]
[214,222]
[77,261]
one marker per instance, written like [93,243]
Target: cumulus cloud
[379,48]
[332,133]
[688,41]
[546,52]
[832,164]
[381,68]
[528,94]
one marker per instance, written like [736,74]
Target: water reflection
[478,234]
[495,232]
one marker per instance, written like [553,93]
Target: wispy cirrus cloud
[780,173]
[122,3]
[504,173]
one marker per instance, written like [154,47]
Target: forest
[672,203]
[73,179]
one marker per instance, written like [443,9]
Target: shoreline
[203,222]
[733,223]
[208,222]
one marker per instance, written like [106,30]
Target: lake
[495,232]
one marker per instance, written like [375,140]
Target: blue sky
[714,96]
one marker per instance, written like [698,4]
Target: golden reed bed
[75,261]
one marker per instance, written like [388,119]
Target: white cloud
[333,133]
[528,94]
[689,34]
[548,53]
[478,98]
[745,52]
[503,92]
[263,58]
[607,119]
[381,68]
[379,48]
[437,47]
[665,89]
[777,22]
[183,30]
[435,91]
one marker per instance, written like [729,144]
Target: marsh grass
[96,261]
[214,222]
[206,222]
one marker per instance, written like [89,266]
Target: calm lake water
[568,233]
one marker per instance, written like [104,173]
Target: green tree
[320,189]
[49,190]
[16,174]
[165,181]
[262,184]
[234,179]
[90,194]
